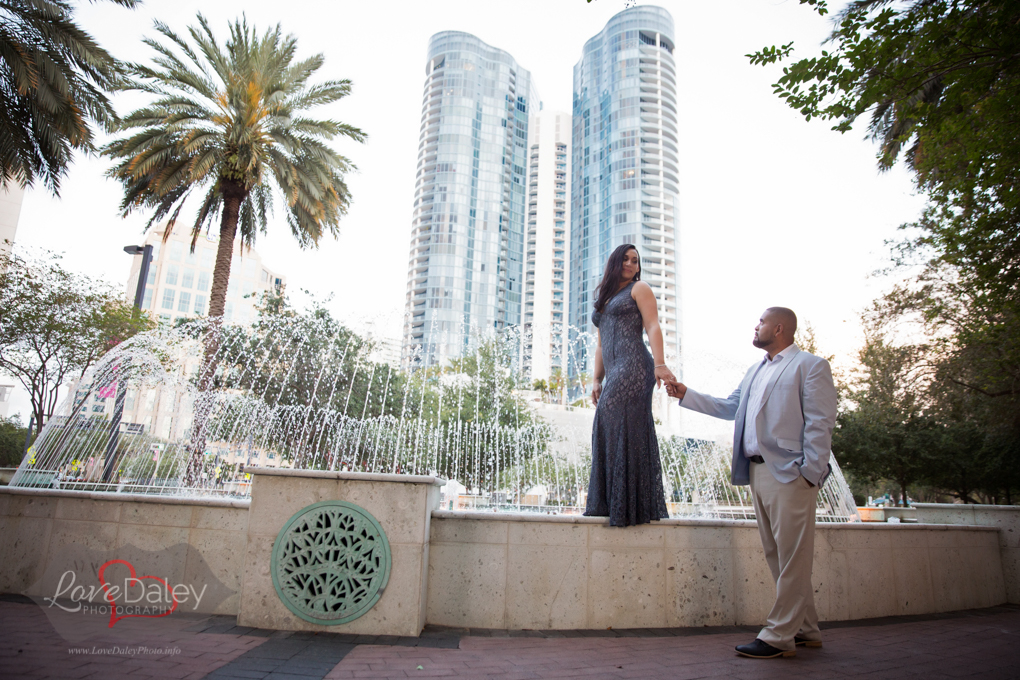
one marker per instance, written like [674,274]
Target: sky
[773,210]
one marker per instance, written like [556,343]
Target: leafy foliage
[330,406]
[53,79]
[12,441]
[228,122]
[54,324]
[940,81]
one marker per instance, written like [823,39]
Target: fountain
[302,391]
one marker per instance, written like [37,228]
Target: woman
[626,475]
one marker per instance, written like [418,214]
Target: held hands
[676,389]
[664,375]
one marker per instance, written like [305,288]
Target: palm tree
[52,81]
[228,123]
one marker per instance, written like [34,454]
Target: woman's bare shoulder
[641,289]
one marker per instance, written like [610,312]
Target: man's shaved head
[775,329]
[784,316]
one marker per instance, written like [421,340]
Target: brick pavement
[980,644]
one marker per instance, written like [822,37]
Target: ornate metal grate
[331,562]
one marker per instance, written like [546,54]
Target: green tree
[53,79]
[882,429]
[305,371]
[940,80]
[558,385]
[229,122]
[55,324]
[12,441]
[492,428]
[327,405]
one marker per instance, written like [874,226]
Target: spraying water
[302,391]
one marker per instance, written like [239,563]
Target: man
[783,411]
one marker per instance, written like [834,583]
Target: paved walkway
[981,644]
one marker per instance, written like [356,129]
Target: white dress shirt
[755,393]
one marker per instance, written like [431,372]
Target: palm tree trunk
[233,195]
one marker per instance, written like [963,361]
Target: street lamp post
[118,404]
[143,272]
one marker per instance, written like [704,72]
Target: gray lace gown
[626,475]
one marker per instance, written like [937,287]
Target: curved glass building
[465,271]
[624,164]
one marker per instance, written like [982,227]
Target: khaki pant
[786,524]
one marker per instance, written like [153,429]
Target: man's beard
[760,344]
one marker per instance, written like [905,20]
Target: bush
[12,441]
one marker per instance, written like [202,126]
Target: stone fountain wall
[492,570]
[45,532]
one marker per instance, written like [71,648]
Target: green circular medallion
[331,562]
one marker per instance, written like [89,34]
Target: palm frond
[53,83]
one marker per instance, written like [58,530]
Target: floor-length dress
[626,474]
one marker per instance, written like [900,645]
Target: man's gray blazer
[794,424]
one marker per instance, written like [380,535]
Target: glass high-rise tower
[624,169]
[465,270]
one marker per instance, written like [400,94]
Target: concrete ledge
[130,497]
[687,522]
[581,519]
[353,476]
[964,506]
[547,572]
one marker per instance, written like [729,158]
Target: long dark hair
[610,283]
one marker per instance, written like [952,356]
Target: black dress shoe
[807,643]
[762,650]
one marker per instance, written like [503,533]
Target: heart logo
[113,610]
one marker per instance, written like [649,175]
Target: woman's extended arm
[600,371]
[645,299]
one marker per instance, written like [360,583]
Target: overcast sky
[773,210]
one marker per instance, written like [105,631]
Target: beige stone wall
[37,526]
[402,504]
[491,571]
[511,571]
[1004,517]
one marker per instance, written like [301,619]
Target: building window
[200,305]
[184,304]
[168,299]
[147,299]
[203,281]
[171,275]
[206,257]
[187,278]
[176,251]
